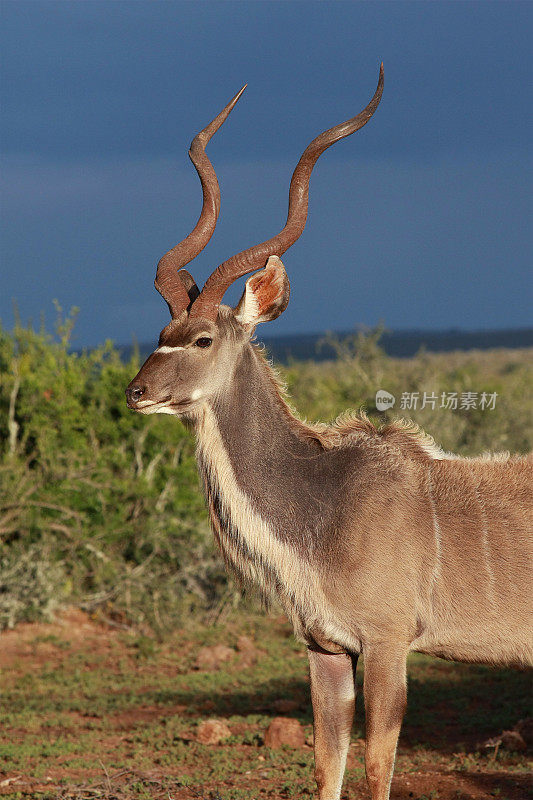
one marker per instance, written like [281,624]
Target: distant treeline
[399,344]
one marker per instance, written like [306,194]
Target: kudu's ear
[265,295]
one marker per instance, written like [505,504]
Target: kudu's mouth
[170,406]
[145,405]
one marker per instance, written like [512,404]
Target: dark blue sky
[422,219]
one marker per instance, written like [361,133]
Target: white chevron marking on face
[167,349]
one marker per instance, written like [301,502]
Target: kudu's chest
[248,539]
[248,564]
[259,553]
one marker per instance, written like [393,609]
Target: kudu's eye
[204,341]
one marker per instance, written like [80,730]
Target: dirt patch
[125,785]
[459,786]
[35,644]
[136,717]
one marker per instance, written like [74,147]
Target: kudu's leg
[333,697]
[385,701]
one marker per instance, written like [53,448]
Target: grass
[91,712]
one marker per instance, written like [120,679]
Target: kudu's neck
[255,422]
[289,479]
[275,494]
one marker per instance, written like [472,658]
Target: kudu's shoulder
[409,457]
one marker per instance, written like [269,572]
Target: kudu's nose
[134,392]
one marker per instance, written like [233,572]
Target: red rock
[210,659]
[245,644]
[284,730]
[212,731]
[248,651]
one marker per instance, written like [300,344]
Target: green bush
[102,507]
[103,503]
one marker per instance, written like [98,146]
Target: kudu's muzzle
[139,388]
[135,392]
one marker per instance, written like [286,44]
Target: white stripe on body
[437,568]
[486,551]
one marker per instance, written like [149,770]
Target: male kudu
[375,541]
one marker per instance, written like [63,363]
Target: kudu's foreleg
[333,697]
[385,701]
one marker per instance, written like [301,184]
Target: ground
[90,711]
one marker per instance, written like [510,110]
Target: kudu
[374,540]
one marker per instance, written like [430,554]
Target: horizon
[397,343]
[262,331]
